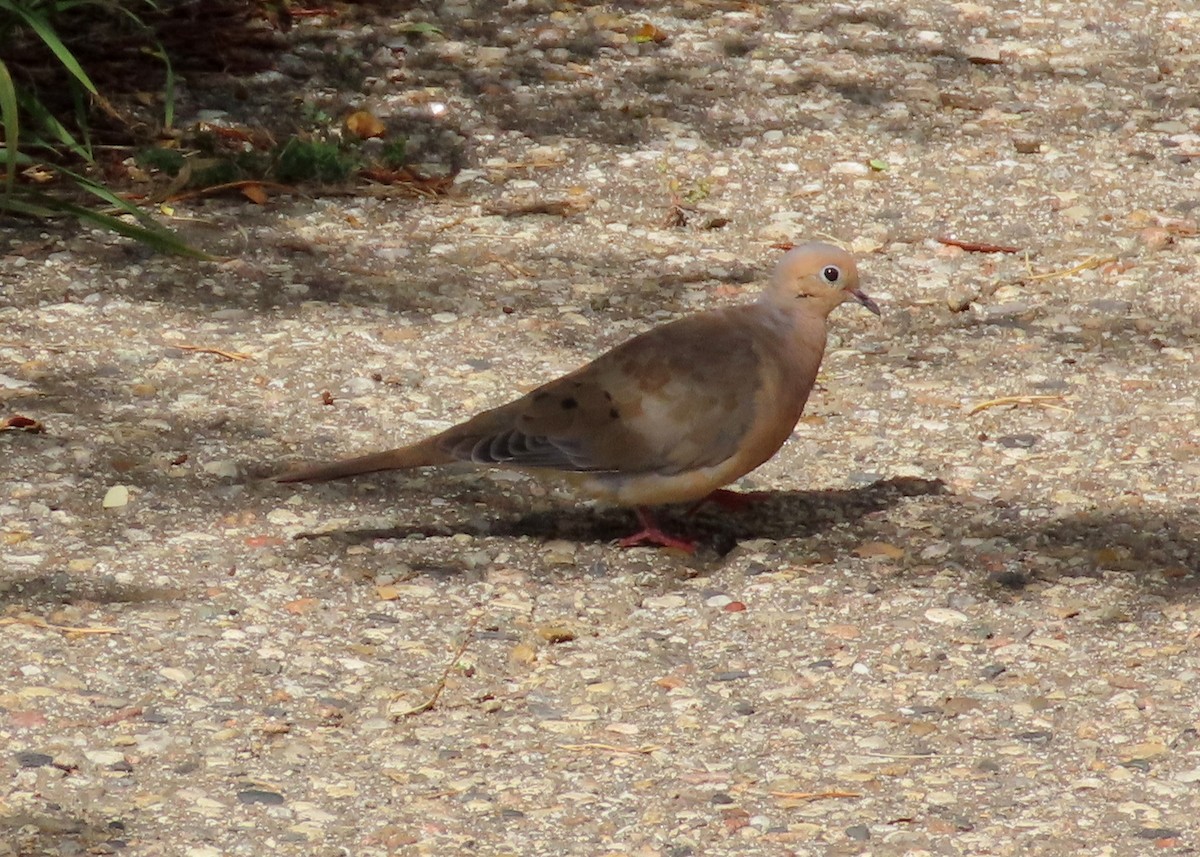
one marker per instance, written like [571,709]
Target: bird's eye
[831,274]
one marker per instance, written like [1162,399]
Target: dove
[669,416]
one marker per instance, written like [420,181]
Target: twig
[1089,262]
[976,246]
[57,349]
[508,265]
[814,795]
[1036,401]
[238,185]
[427,705]
[204,349]
[66,629]
[644,750]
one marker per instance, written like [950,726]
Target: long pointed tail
[418,455]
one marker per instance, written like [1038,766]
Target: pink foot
[731,501]
[650,534]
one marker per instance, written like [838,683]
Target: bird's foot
[651,534]
[730,501]
[655,537]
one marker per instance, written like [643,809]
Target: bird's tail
[418,455]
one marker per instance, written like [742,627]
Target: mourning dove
[667,417]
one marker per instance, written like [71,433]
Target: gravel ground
[959,626]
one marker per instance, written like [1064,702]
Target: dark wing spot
[607,396]
[614,413]
[540,397]
[569,403]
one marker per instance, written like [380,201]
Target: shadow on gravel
[37,834]
[782,515]
[1004,547]
[64,588]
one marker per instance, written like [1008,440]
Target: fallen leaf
[556,634]
[649,33]
[255,193]
[364,125]
[522,653]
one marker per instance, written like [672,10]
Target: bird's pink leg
[650,534]
[731,501]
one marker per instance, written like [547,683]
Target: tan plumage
[669,416]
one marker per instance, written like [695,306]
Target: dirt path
[964,624]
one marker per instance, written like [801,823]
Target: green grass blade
[160,53]
[42,118]
[12,127]
[46,33]
[156,237]
[25,208]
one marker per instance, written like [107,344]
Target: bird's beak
[861,296]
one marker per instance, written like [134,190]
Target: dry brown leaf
[255,192]
[365,125]
[649,33]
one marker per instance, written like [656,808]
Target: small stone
[490,55]
[731,675]
[858,832]
[987,54]
[34,760]
[225,469]
[282,517]
[1143,750]
[260,796]
[1077,213]
[104,757]
[849,168]
[1018,441]
[945,616]
[116,497]
[1159,833]
[1026,144]
[177,675]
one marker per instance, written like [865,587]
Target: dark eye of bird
[831,274]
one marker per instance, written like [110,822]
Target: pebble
[945,616]
[260,796]
[116,497]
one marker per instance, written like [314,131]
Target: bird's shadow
[777,515]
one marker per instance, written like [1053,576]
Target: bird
[669,416]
